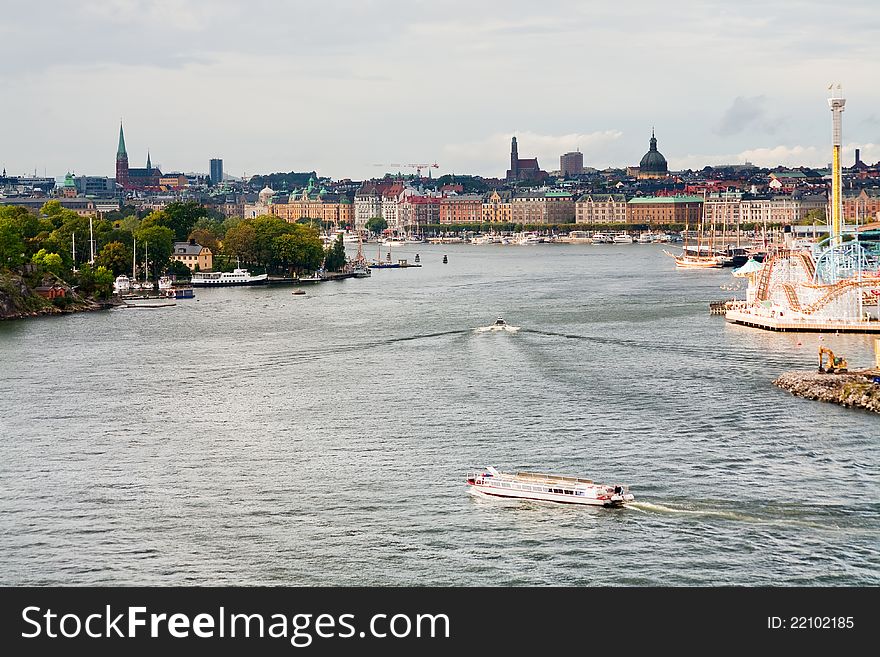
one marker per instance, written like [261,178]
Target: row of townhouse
[728,208]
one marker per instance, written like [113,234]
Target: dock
[792,324]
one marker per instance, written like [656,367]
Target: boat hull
[491,491]
[259,281]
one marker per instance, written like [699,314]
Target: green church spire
[121,149]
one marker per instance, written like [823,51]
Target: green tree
[335,258]
[181,217]
[240,241]
[103,282]
[267,229]
[376,225]
[12,246]
[53,263]
[115,256]
[815,216]
[299,250]
[207,238]
[159,243]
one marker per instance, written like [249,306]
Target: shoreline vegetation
[19,298]
[852,389]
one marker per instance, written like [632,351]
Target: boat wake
[495,329]
[650,507]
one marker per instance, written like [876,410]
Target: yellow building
[496,207]
[335,209]
[195,256]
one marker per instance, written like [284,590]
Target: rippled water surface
[251,436]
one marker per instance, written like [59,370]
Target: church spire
[120,150]
[149,166]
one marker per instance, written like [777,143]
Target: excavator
[835,363]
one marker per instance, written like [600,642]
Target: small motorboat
[298,292]
[499,325]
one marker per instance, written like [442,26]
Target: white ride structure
[547,488]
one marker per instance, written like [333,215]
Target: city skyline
[339,88]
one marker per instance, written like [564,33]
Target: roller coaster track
[766,272]
[833,292]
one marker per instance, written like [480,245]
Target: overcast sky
[340,87]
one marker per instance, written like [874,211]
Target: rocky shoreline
[19,301]
[853,389]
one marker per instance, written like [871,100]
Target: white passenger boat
[226,278]
[602,238]
[623,238]
[547,488]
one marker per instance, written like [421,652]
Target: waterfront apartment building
[534,207]
[335,209]
[461,209]
[415,212]
[496,207]
[649,210]
[862,205]
[601,209]
[195,256]
[733,208]
[367,204]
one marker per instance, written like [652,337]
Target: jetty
[851,389]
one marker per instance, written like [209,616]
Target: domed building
[653,164]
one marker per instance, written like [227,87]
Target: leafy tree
[159,243]
[299,250]
[103,282]
[116,257]
[335,258]
[53,263]
[376,225]
[207,238]
[182,216]
[240,242]
[267,229]
[12,246]
[815,216]
[177,268]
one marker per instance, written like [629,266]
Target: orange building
[462,209]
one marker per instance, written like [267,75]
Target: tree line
[57,240]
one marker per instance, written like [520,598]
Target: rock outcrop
[18,298]
[853,389]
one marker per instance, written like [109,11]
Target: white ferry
[236,277]
[547,488]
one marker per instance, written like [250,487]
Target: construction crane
[417,167]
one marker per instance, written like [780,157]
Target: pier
[780,322]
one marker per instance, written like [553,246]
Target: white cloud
[788,156]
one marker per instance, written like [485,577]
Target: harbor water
[253,436]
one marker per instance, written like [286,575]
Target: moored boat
[547,488]
[227,278]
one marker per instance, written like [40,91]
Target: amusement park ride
[835,286]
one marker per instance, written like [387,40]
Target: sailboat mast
[133,258]
[91,243]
